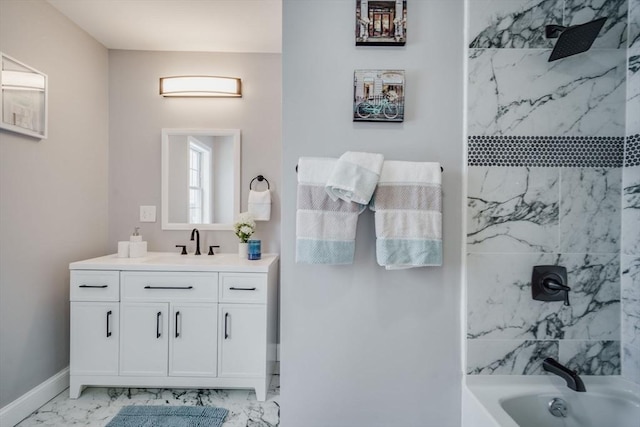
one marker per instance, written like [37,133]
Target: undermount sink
[191,259]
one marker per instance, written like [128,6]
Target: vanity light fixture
[201,86]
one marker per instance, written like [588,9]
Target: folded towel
[260,205]
[325,229]
[354,177]
[408,215]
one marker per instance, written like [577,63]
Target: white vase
[243,250]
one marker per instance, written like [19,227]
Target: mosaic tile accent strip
[632,151]
[547,151]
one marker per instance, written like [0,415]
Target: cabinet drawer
[94,285]
[243,287]
[166,286]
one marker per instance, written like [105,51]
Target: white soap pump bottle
[136,237]
[137,248]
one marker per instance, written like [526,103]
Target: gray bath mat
[169,416]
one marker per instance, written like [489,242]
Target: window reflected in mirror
[201,174]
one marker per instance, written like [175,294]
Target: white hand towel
[354,177]
[260,205]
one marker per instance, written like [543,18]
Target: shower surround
[630,264]
[546,151]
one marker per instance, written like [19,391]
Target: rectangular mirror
[200,178]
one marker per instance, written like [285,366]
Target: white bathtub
[523,401]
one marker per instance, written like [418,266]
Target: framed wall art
[378,96]
[381,22]
[23,108]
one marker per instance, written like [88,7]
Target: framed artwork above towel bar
[378,96]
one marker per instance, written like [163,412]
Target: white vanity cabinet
[94,320]
[243,311]
[169,323]
[172,321]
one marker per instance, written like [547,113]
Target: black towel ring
[260,178]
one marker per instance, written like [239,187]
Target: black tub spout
[574,382]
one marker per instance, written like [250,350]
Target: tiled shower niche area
[551,181]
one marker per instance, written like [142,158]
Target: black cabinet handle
[177,315]
[94,286]
[168,287]
[226,322]
[108,325]
[233,288]
[158,334]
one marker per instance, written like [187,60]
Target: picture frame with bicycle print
[378,96]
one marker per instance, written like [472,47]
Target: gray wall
[544,187]
[137,113]
[53,204]
[362,346]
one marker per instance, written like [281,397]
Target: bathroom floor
[96,405]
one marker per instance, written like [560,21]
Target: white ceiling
[180,25]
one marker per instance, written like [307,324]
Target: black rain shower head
[573,40]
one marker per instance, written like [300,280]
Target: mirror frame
[166,133]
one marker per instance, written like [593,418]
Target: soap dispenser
[136,237]
[137,248]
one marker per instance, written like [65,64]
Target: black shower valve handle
[548,283]
[556,286]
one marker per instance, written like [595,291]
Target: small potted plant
[244,228]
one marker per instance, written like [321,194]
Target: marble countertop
[170,261]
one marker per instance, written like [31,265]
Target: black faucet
[574,382]
[197,233]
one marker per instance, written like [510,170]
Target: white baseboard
[22,407]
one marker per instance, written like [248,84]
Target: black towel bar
[441,170]
[261,178]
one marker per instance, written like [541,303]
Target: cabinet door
[144,338]
[94,338]
[242,340]
[193,345]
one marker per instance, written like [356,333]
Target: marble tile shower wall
[630,264]
[546,150]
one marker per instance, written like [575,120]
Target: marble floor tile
[96,406]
